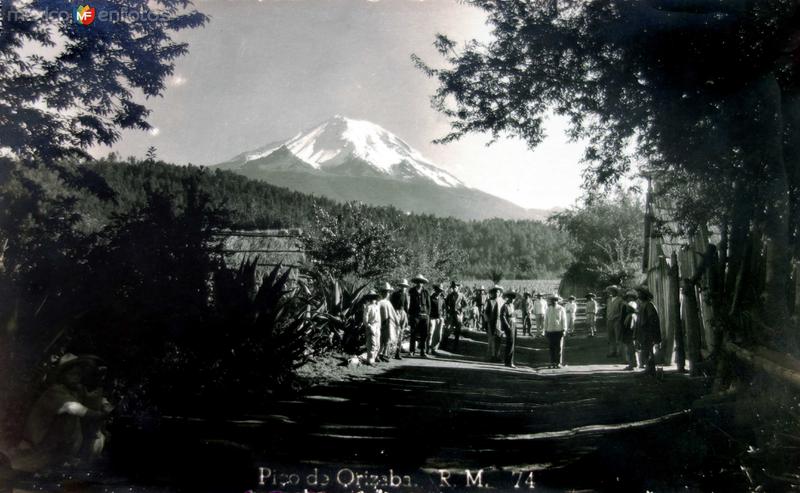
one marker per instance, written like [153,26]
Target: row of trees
[440,246]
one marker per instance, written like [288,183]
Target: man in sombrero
[66,421]
[388,324]
[437,316]
[591,314]
[555,324]
[480,303]
[539,309]
[494,327]
[507,322]
[648,328]
[372,326]
[400,302]
[455,304]
[419,311]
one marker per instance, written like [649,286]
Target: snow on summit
[341,140]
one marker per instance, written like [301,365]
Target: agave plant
[261,332]
[340,312]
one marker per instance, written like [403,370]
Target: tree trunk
[765,146]
[738,244]
[675,311]
[691,322]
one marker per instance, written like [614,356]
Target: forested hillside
[518,249]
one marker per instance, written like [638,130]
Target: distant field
[520,285]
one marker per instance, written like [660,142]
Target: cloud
[176,80]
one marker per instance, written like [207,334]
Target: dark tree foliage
[88,82]
[703,92]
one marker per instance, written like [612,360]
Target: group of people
[428,315]
[634,328]
[432,316]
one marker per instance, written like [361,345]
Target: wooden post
[692,324]
[674,297]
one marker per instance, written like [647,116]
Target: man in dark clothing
[628,326]
[419,310]
[494,325]
[437,320]
[507,317]
[480,303]
[455,304]
[527,309]
[648,329]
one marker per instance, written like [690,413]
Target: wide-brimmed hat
[69,361]
[454,284]
[482,288]
[371,295]
[403,284]
[590,295]
[644,292]
[496,288]
[613,289]
[572,298]
[539,295]
[554,297]
[436,286]
[631,293]
[386,287]
[420,279]
[510,295]
[526,294]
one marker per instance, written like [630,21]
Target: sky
[261,71]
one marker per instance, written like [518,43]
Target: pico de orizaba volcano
[346,159]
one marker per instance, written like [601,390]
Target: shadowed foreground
[589,426]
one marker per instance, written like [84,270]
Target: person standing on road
[628,326]
[507,323]
[388,324]
[591,314]
[480,303]
[614,320]
[454,305]
[539,308]
[571,308]
[400,302]
[555,324]
[437,319]
[372,325]
[419,313]
[527,309]
[648,329]
[494,323]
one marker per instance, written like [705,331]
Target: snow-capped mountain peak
[347,146]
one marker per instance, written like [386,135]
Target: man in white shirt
[571,308]
[539,307]
[389,338]
[555,324]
